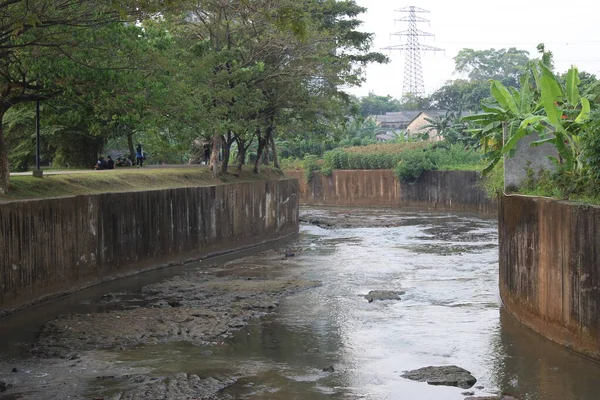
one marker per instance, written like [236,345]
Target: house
[419,125]
[392,123]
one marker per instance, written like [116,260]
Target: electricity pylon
[413,70]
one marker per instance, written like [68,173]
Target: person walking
[139,155]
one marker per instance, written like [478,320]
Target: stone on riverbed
[491,398]
[383,295]
[450,375]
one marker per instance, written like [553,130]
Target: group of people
[109,163]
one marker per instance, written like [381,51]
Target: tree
[460,94]
[503,65]
[38,38]
[377,105]
[410,102]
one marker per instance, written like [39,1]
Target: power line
[413,69]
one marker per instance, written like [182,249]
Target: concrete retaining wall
[55,245]
[441,190]
[550,269]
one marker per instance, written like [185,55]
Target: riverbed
[291,322]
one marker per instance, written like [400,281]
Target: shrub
[310,163]
[291,163]
[412,164]
[456,157]
[590,142]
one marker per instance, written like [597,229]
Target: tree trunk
[214,155]
[259,153]
[241,155]
[130,144]
[226,151]
[274,151]
[4,172]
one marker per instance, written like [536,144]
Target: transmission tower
[413,71]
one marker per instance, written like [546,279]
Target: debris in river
[491,398]
[383,295]
[449,375]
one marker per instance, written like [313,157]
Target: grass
[461,167]
[124,180]
[386,148]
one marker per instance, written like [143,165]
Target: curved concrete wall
[441,190]
[550,269]
[57,245]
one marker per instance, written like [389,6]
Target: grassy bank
[124,180]
[408,160]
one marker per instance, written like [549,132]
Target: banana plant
[566,114]
[554,111]
[515,111]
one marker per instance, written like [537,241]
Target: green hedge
[408,164]
[340,159]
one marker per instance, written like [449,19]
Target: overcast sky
[571,30]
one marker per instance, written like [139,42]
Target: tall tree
[37,37]
[504,65]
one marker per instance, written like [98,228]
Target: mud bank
[60,245]
[75,355]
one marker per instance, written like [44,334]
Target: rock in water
[450,375]
[329,369]
[491,398]
[383,295]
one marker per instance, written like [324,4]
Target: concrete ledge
[437,190]
[56,246]
[550,269]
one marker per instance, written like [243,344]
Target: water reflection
[536,369]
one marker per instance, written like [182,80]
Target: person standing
[139,155]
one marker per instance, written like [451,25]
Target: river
[450,314]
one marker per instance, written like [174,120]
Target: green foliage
[377,105]
[290,164]
[493,182]
[562,184]
[504,65]
[590,143]
[456,157]
[340,159]
[412,163]
[310,164]
[556,112]
[408,163]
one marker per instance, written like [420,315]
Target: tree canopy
[173,74]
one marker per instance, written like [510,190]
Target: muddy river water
[450,314]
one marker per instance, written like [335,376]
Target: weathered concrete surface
[526,157]
[440,190]
[550,269]
[57,245]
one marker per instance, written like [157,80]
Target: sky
[571,30]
